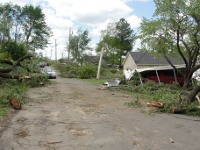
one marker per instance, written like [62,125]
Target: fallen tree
[5,72]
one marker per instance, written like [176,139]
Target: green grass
[4,111]
[10,88]
[95,81]
[14,88]
[164,93]
[134,104]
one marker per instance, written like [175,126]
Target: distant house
[151,67]
[138,60]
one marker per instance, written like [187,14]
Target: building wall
[147,66]
[129,63]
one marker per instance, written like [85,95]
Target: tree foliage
[119,38]
[78,45]
[14,50]
[22,29]
[175,29]
[36,31]
[23,25]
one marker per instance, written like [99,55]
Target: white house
[146,62]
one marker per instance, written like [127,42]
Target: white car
[50,72]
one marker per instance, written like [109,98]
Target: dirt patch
[22,133]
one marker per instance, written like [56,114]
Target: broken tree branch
[6,62]
[6,70]
[22,59]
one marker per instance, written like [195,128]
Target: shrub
[165,93]
[87,71]
[37,80]
[135,79]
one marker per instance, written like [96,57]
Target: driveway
[71,114]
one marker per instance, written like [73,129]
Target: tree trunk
[4,72]
[193,93]
[8,76]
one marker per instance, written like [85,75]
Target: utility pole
[51,52]
[55,51]
[70,32]
[99,66]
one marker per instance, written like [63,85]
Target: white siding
[129,63]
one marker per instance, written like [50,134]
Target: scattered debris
[41,83]
[23,78]
[198,99]
[155,104]
[22,133]
[54,142]
[15,103]
[78,132]
[21,120]
[176,110]
[103,88]
[136,143]
[171,140]
[114,82]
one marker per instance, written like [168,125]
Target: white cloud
[134,21]
[137,44]
[135,0]
[90,12]
[96,31]
[93,15]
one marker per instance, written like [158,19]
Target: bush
[165,93]
[37,80]
[68,71]
[87,71]
[135,79]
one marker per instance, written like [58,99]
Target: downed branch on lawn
[5,72]
[15,103]
[155,104]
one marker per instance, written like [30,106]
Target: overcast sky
[93,15]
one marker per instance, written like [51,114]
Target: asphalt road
[74,115]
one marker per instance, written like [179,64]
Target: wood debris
[171,140]
[103,88]
[155,104]
[15,103]
[176,110]
[55,142]
[198,99]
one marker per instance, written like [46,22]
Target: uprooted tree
[5,72]
[175,29]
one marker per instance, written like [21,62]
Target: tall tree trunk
[193,93]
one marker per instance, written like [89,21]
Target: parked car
[50,72]
[43,64]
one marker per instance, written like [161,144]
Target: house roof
[145,58]
[160,68]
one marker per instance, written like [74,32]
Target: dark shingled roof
[145,58]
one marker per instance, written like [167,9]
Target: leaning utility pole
[55,51]
[99,66]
